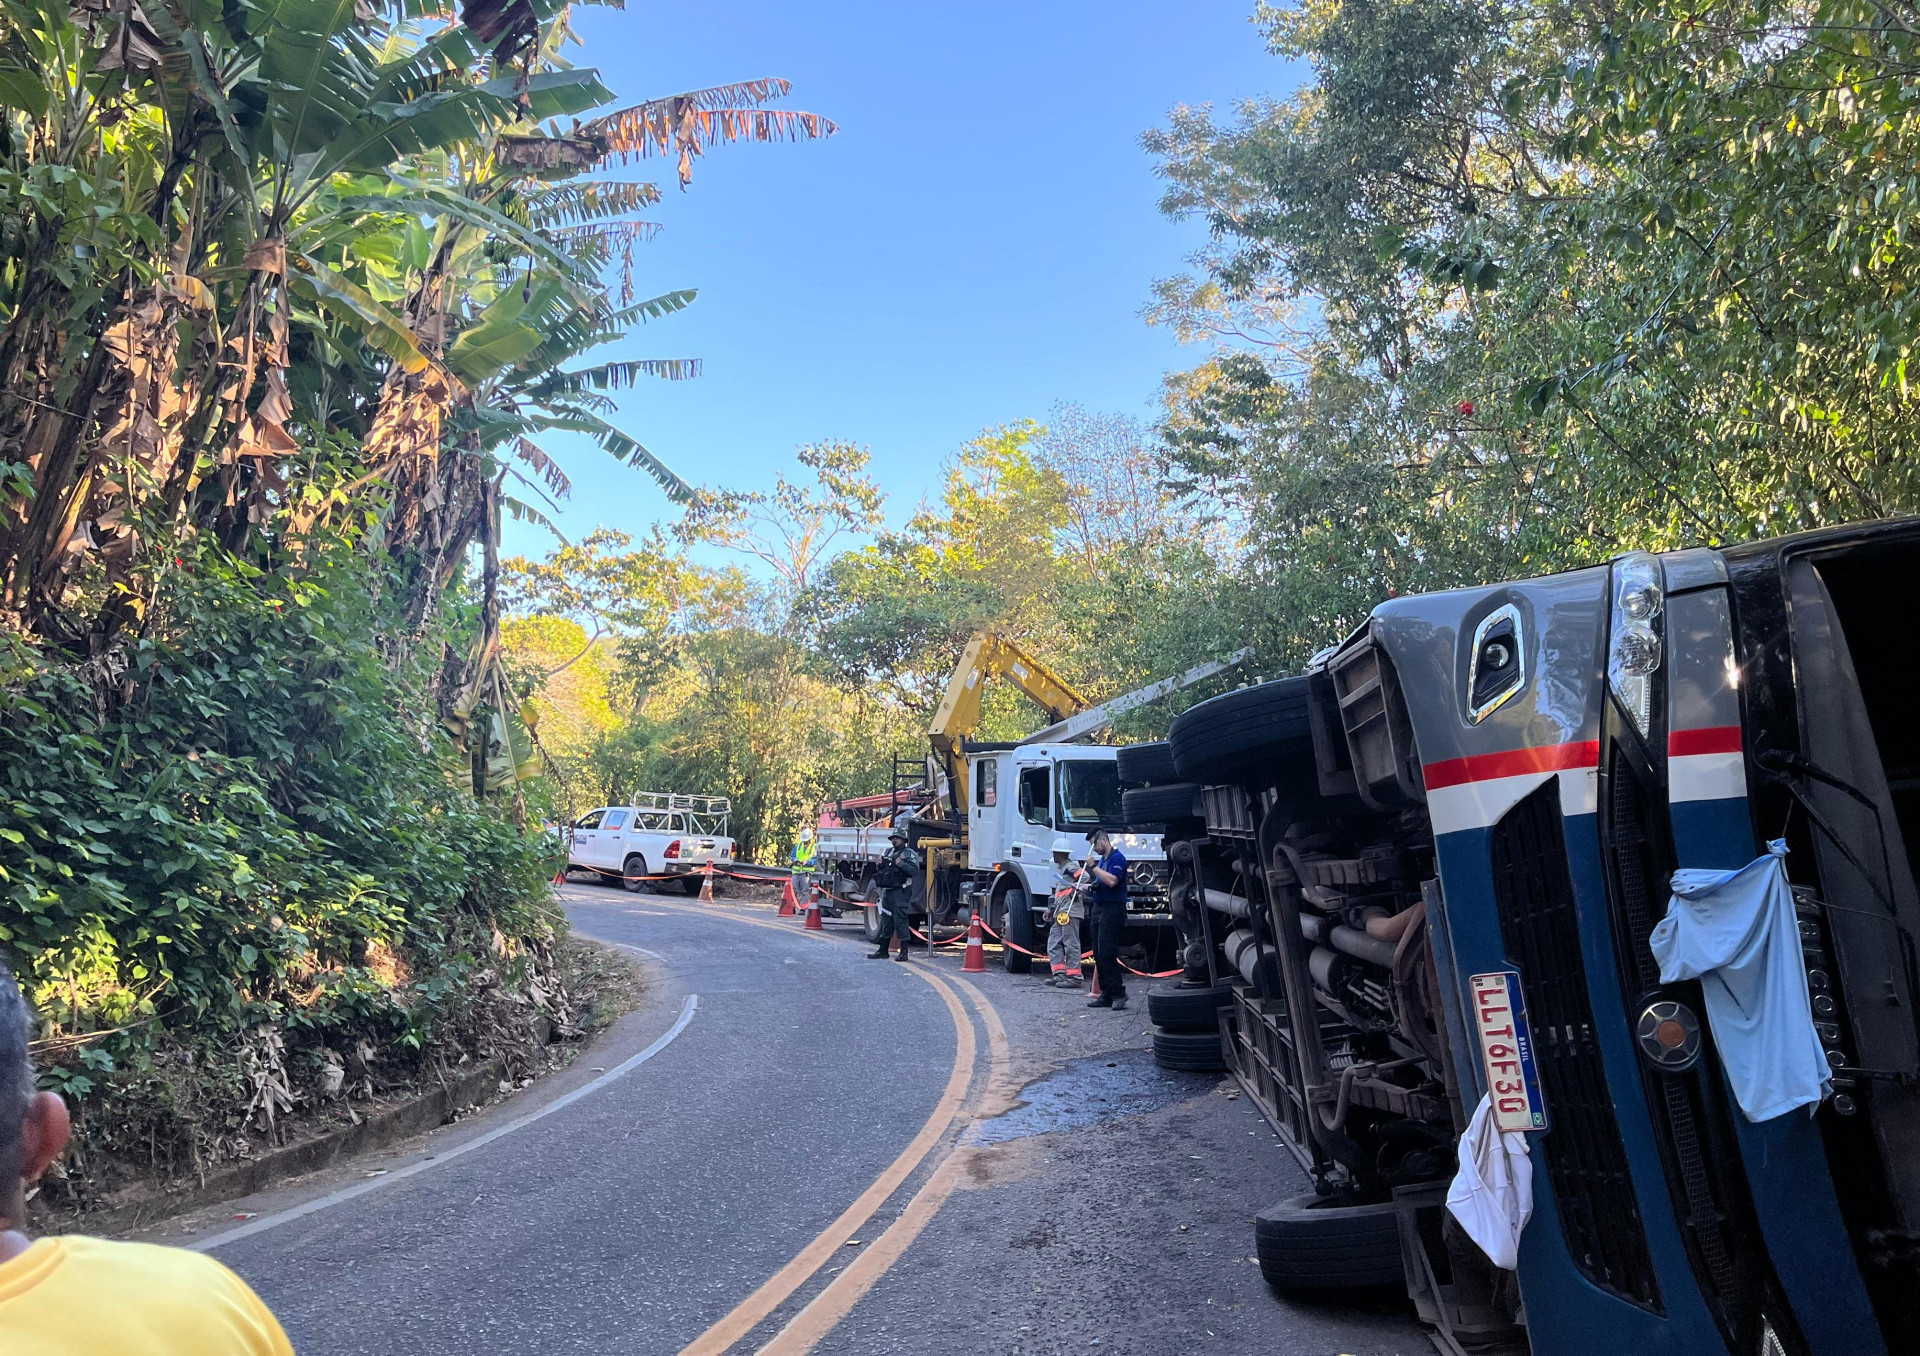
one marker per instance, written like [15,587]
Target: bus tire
[1145,764]
[1180,1007]
[1196,1051]
[1312,1243]
[1142,806]
[1251,736]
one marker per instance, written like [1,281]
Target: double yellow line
[836,1300]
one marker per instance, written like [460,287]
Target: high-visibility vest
[803,852]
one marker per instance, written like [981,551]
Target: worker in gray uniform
[1066,908]
[895,878]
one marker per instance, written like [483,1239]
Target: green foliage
[289,292]
[1505,288]
[803,688]
[1511,287]
[897,612]
[251,814]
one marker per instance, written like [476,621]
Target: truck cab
[1023,797]
[1490,789]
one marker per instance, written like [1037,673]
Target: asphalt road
[1080,1200]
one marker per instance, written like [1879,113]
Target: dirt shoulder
[107,1192]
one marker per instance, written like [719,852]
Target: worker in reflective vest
[1066,909]
[803,852]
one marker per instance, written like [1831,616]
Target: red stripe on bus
[1713,739]
[1482,767]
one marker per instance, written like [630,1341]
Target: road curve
[636,1217]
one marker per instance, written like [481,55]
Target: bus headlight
[1633,656]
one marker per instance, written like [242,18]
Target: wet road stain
[1088,1091]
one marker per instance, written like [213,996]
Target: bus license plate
[1506,1050]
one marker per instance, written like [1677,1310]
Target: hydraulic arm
[991,655]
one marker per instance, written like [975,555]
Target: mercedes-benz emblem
[1669,1035]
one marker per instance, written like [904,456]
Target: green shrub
[248,819]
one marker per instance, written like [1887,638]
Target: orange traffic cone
[1094,992]
[789,906]
[976,961]
[706,884]
[813,915]
[560,876]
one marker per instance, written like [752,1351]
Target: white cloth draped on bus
[1737,933]
[1492,1191]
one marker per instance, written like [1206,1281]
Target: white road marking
[334,1198]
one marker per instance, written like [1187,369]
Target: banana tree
[179,154]
[235,234]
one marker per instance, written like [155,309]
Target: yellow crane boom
[991,655]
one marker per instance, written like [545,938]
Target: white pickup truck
[659,834]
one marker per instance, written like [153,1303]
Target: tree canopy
[1508,287]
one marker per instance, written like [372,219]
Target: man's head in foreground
[78,1296]
[33,1125]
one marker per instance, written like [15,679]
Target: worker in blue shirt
[1107,919]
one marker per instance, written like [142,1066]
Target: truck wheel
[1146,764]
[1251,735]
[1179,1007]
[1198,1051]
[870,922]
[630,874]
[1312,1243]
[1144,805]
[1010,906]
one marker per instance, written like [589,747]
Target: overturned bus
[1488,792]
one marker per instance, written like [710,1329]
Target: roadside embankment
[509,1036]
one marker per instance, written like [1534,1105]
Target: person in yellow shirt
[65,1296]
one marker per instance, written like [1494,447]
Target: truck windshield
[1089,794]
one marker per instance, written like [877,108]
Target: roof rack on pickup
[709,813]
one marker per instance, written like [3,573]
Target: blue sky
[974,245]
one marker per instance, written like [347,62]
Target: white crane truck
[987,825]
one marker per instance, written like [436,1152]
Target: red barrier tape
[1085,957]
[1038,955]
[696,874]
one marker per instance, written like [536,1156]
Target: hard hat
[806,835]
[1063,845]
[899,833]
